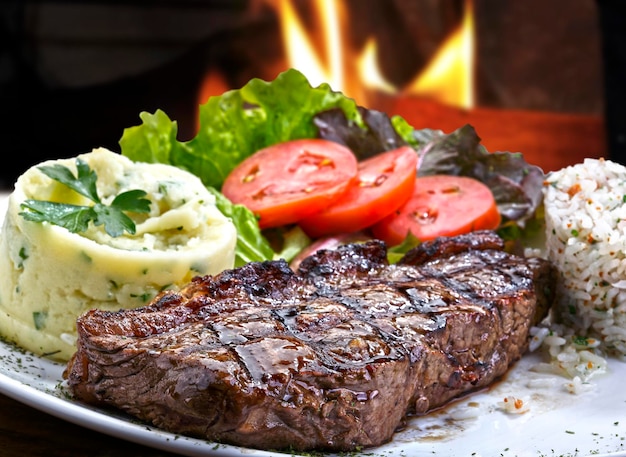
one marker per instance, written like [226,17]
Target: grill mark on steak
[333,357]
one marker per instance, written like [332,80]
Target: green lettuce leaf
[251,244]
[235,125]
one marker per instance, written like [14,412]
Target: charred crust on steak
[334,356]
[447,246]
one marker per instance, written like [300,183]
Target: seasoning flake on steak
[335,356]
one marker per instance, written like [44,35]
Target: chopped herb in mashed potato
[50,275]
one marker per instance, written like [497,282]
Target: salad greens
[239,122]
[251,244]
[235,125]
[516,185]
[76,218]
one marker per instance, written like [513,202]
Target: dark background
[73,75]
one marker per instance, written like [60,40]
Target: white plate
[557,423]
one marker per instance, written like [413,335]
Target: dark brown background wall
[74,74]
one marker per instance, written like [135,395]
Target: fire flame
[448,78]
[301,53]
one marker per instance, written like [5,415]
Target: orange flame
[301,53]
[448,78]
[343,72]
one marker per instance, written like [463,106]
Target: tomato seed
[425,216]
[380,179]
[451,190]
[308,162]
[252,174]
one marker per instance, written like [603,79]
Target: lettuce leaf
[377,134]
[236,124]
[251,244]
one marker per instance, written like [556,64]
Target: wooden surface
[549,140]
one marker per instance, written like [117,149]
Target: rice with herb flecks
[585,213]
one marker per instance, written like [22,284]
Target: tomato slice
[384,183]
[441,205]
[289,181]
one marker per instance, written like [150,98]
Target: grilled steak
[334,356]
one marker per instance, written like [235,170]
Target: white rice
[514,405]
[585,214]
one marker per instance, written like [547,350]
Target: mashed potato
[49,276]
